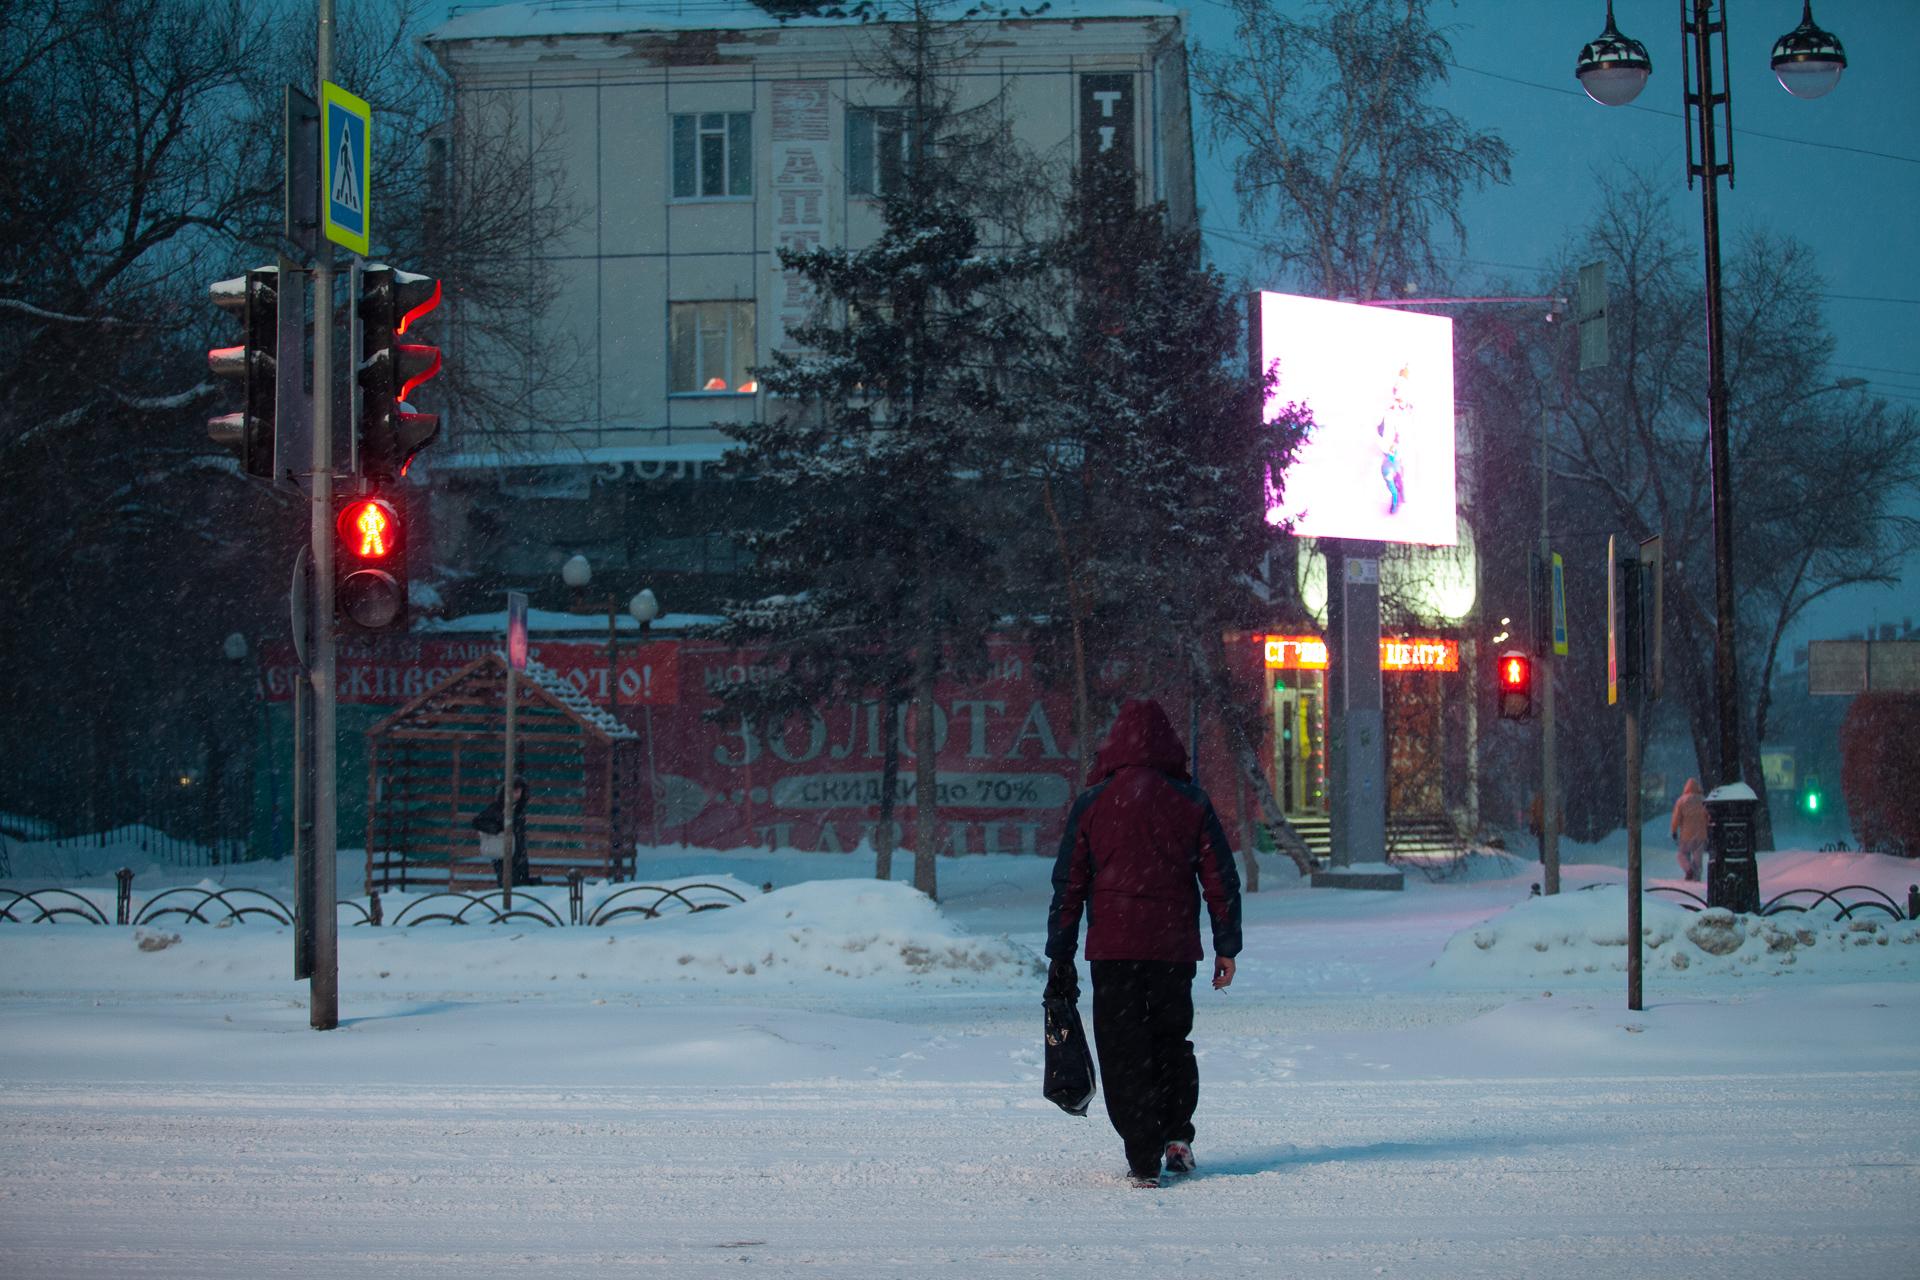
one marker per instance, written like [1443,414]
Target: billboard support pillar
[1356,744]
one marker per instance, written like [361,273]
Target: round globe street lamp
[1808,62]
[1613,68]
[644,607]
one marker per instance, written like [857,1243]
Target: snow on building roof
[569,456]
[549,621]
[561,690]
[537,19]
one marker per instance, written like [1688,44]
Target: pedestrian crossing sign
[346,160]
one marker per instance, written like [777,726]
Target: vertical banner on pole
[517,630]
[1557,586]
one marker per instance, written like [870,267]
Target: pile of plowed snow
[828,933]
[1573,936]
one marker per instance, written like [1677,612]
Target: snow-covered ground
[840,1078]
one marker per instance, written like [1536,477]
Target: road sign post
[516,663]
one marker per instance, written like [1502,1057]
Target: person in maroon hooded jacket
[1141,849]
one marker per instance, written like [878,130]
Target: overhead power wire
[1675,115]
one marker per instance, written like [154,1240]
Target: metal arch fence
[601,914]
[86,910]
[493,905]
[237,902]
[1878,900]
[201,905]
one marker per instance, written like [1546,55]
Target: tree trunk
[889,783]
[1246,759]
[926,771]
[1077,615]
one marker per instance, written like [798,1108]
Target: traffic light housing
[255,297]
[370,564]
[391,304]
[1812,798]
[1515,681]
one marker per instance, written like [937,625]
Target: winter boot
[1179,1157]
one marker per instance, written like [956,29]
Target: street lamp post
[1613,69]
[577,572]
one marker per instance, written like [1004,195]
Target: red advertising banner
[1007,755]
[397,670]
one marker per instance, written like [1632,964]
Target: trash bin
[1733,874]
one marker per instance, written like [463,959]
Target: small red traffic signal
[393,303]
[254,363]
[1516,685]
[370,567]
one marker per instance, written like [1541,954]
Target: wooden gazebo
[436,762]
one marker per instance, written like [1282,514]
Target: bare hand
[1222,972]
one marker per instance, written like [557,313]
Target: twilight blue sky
[1805,168]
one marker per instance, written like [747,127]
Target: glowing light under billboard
[1380,463]
[1309,653]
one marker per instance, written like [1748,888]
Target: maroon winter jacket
[1141,846]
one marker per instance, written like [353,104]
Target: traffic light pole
[1543,649]
[324,990]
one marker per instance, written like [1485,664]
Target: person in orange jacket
[1689,828]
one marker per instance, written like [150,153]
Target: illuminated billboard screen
[1379,464]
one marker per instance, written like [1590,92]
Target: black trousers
[1142,1016]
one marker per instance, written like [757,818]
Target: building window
[877,140]
[712,348]
[712,155]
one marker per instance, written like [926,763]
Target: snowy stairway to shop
[1316,832]
[1423,839]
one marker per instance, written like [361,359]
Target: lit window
[712,155]
[877,141]
[712,348]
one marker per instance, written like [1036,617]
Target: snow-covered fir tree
[1154,452]
[892,425]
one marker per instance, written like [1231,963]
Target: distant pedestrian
[491,821]
[1141,849]
[1689,828]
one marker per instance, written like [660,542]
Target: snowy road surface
[1725,1176]
[840,1080]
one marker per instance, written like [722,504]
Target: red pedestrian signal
[367,529]
[369,565]
[1515,685]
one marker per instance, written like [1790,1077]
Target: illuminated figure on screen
[1392,471]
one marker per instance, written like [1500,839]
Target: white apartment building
[696,139]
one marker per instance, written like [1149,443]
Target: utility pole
[324,992]
[1634,952]
[1543,645]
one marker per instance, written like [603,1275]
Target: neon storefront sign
[1309,653]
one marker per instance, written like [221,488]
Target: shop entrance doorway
[1299,740]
